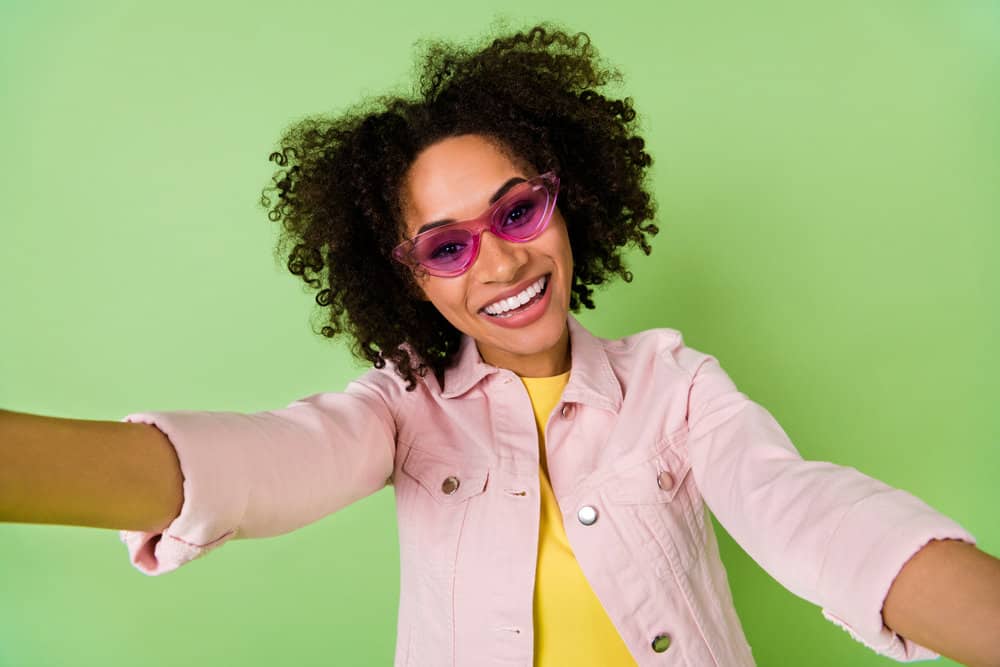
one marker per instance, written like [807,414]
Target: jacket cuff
[855,579]
[214,500]
[157,553]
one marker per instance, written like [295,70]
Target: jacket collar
[591,381]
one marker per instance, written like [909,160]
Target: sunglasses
[519,216]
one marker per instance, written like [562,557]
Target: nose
[499,261]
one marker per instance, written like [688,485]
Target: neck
[555,360]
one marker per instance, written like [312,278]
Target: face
[455,179]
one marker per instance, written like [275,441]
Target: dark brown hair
[337,191]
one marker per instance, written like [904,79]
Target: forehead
[455,178]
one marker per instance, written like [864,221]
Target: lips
[524,314]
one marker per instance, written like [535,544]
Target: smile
[504,307]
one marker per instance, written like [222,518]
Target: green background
[827,179]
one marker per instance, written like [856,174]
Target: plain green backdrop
[828,180]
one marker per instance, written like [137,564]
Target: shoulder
[390,387]
[655,347]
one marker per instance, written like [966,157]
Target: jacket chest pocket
[660,508]
[433,496]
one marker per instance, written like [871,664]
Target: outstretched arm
[947,598]
[105,474]
[837,537]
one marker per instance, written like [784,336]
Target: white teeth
[510,303]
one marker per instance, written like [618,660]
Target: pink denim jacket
[648,436]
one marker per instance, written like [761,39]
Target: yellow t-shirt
[571,626]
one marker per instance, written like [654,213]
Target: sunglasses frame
[403,253]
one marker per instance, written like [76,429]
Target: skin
[947,598]
[454,179]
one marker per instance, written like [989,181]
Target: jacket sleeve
[828,533]
[267,473]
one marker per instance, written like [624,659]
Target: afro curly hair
[337,192]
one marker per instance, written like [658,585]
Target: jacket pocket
[447,482]
[659,505]
[432,496]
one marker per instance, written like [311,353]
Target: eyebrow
[503,189]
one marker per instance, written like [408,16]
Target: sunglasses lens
[446,250]
[521,215]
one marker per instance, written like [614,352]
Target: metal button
[661,642]
[587,515]
[567,410]
[449,485]
[665,480]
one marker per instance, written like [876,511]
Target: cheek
[562,236]
[565,250]
[447,295]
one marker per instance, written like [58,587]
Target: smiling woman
[552,487]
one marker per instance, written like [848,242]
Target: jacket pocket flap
[448,482]
[656,480]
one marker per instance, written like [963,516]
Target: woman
[450,236]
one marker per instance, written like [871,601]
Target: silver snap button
[587,515]
[661,642]
[567,410]
[450,485]
[665,480]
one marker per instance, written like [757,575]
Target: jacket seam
[201,546]
[693,614]
[390,405]
[454,578]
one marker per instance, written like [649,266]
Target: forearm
[103,474]
[947,598]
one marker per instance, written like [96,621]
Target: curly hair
[337,192]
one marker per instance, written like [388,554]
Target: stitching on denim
[201,546]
